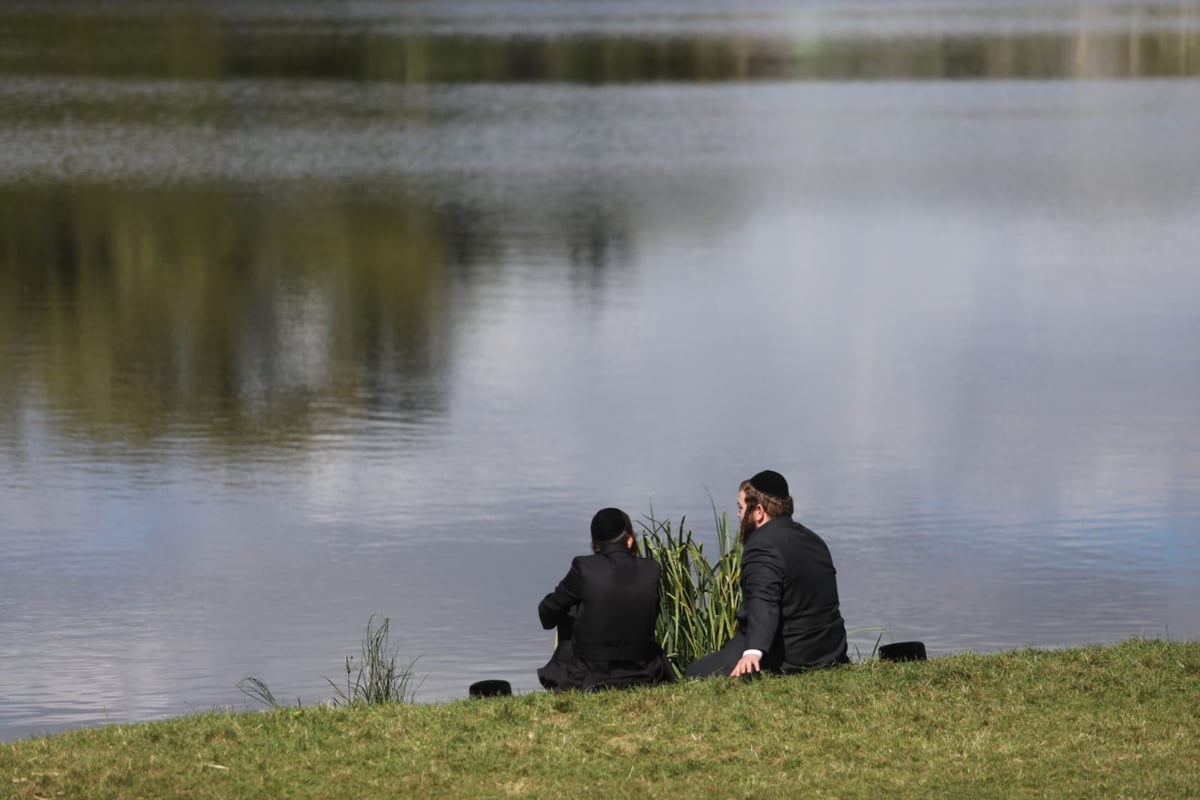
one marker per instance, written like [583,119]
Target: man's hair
[771,505]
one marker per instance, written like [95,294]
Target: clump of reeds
[374,679]
[698,597]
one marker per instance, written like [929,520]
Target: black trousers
[565,670]
[724,660]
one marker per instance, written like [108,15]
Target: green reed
[373,680]
[698,597]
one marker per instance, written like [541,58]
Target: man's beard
[746,528]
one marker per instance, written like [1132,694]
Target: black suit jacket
[606,609]
[790,606]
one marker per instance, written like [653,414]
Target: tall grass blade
[257,689]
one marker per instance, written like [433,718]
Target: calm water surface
[315,311]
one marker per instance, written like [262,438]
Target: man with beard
[789,620]
[605,610]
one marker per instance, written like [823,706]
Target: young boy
[605,611]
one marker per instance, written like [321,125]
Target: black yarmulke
[770,482]
[608,524]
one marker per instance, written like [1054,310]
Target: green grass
[1093,722]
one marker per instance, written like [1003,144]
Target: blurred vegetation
[143,312]
[245,312]
[248,316]
[186,41]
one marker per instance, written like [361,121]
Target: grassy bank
[1100,721]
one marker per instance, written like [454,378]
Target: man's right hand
[749,662]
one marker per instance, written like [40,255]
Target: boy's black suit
[605,611]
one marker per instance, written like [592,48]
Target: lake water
[316,311]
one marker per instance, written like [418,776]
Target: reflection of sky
[964,331]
